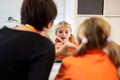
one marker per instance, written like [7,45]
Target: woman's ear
[50,24]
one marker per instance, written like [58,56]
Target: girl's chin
[64,40]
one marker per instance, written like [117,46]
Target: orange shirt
[94,65]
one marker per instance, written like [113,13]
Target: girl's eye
[67,32]
[60,31]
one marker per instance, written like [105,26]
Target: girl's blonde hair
[95,31]
[65,24]
[114,53]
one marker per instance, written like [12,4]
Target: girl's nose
[64,34]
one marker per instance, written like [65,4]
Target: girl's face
[64,33]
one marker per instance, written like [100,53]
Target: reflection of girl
[64,36]
[90,62]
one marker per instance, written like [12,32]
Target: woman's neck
[30,28]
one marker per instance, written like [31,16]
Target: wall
[60,4]
[111,14]
[9,8]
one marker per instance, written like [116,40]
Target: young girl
[90,62]
[64,40]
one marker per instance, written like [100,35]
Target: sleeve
[41,63]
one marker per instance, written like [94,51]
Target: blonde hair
[65,25]
[114,53]
[96,31]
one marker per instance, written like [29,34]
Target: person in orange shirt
[90,61]
[65,42]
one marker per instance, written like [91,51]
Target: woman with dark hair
[26,52]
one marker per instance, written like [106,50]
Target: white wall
[60,4]
[111,7]
[9,8]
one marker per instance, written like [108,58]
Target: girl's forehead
[64,28]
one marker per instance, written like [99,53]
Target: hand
[65,49]
[58,45]
[57,39]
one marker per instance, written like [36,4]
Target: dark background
[90,7]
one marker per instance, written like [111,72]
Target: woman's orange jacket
[94,65]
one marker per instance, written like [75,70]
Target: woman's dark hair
[38,13]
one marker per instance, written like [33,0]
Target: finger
[58,39]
